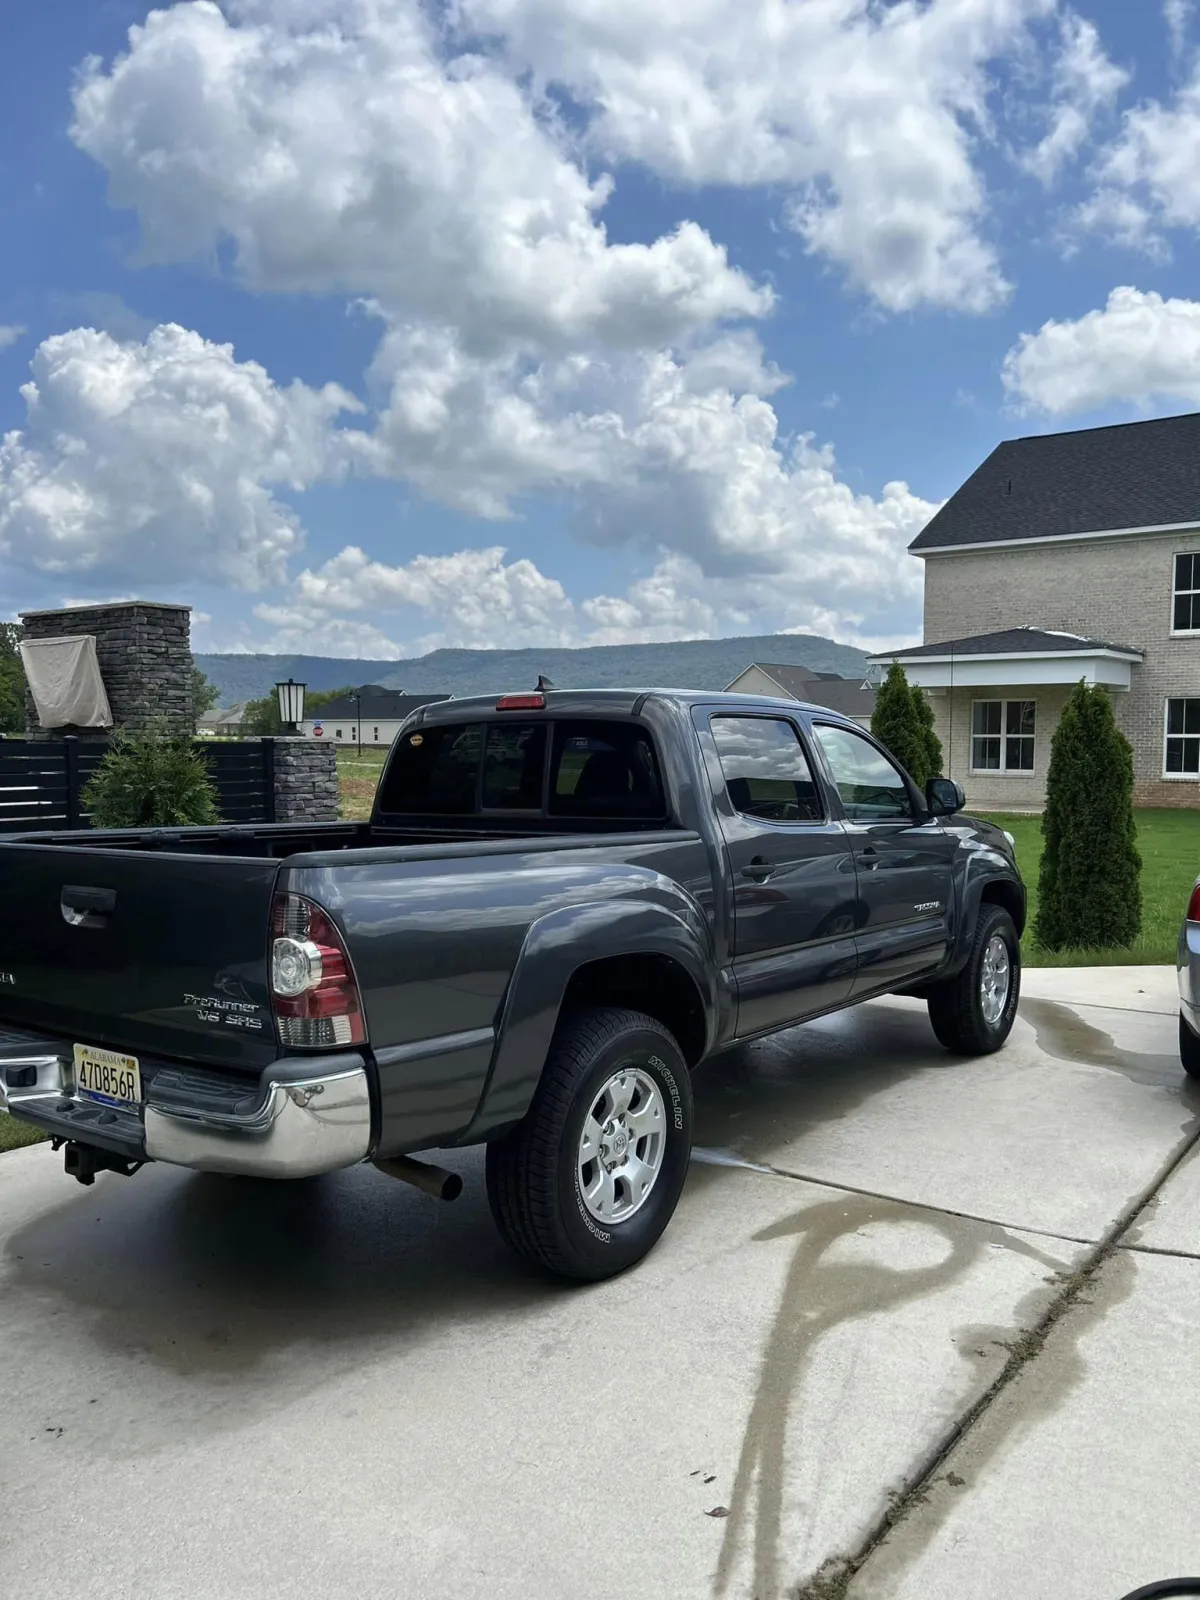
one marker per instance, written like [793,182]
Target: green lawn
[1169,842]
[358,776]
[14,1134]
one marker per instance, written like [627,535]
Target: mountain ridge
[679,664]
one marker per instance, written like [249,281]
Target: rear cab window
[554,767]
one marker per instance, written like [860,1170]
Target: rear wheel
[1189,1048]
[973,1012]
[586,1184]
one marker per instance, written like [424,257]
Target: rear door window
[767,774]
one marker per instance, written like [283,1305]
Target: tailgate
[135,950]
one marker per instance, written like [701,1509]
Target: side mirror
[944,797]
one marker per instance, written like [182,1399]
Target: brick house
[1066,556]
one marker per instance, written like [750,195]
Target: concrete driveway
[217,1388]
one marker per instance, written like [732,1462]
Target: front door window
[871,787]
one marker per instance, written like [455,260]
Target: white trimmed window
[1182,756]
[1185,612]
[1003,733]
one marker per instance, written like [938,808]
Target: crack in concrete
[1159,1250]
[722,1158]
[820,1294]
[833,1579]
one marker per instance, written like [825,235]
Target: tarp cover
[64,679]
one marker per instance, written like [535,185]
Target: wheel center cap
[620,1143]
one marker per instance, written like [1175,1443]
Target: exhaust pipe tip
[437,1182]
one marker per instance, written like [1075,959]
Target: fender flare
[555,947]
[982,875]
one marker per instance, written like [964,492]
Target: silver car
[1189,986]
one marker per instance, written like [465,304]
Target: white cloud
[340,152]
[1151,173]
[1085,83]
[872,112]
[1138,348]
[156,461]
[10,332]
[1178,16]
[746,535]
[341,147]
[657,451]
[351,145]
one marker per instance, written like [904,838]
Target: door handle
[759,869]
[86,907]
[869,857]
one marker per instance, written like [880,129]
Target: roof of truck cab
[618,702]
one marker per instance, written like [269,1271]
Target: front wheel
[587,1183]
[973,1012]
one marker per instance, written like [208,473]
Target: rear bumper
[304,1116]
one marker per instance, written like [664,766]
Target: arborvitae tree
[933,745]
[1089,892]
[151,779]
[898,723]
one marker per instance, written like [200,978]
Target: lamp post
[357,698]
[291,704]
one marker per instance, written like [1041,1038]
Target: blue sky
[695,317]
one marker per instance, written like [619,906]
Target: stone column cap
[106,605]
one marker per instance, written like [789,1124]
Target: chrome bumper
[307,1116]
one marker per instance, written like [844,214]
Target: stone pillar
[306,781]
[145,657]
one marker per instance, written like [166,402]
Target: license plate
[107,1075]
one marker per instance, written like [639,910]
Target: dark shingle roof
[388,705]
[847,695]
[1134,475]
[821,688]
[1009,642]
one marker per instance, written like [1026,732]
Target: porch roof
[1016,656]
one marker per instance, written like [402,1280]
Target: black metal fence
[42,780]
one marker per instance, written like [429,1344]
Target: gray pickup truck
[562,903]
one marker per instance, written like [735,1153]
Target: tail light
[313,988]
[1193,910]
[521,702]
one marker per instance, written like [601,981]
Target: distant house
[850,696]
[1066,556]
[225,723]
[382,711]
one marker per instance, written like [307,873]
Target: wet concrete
[1077,1485]
[237,1389]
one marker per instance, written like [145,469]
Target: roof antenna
[543,684]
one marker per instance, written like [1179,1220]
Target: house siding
[1117,589]
[755,681]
